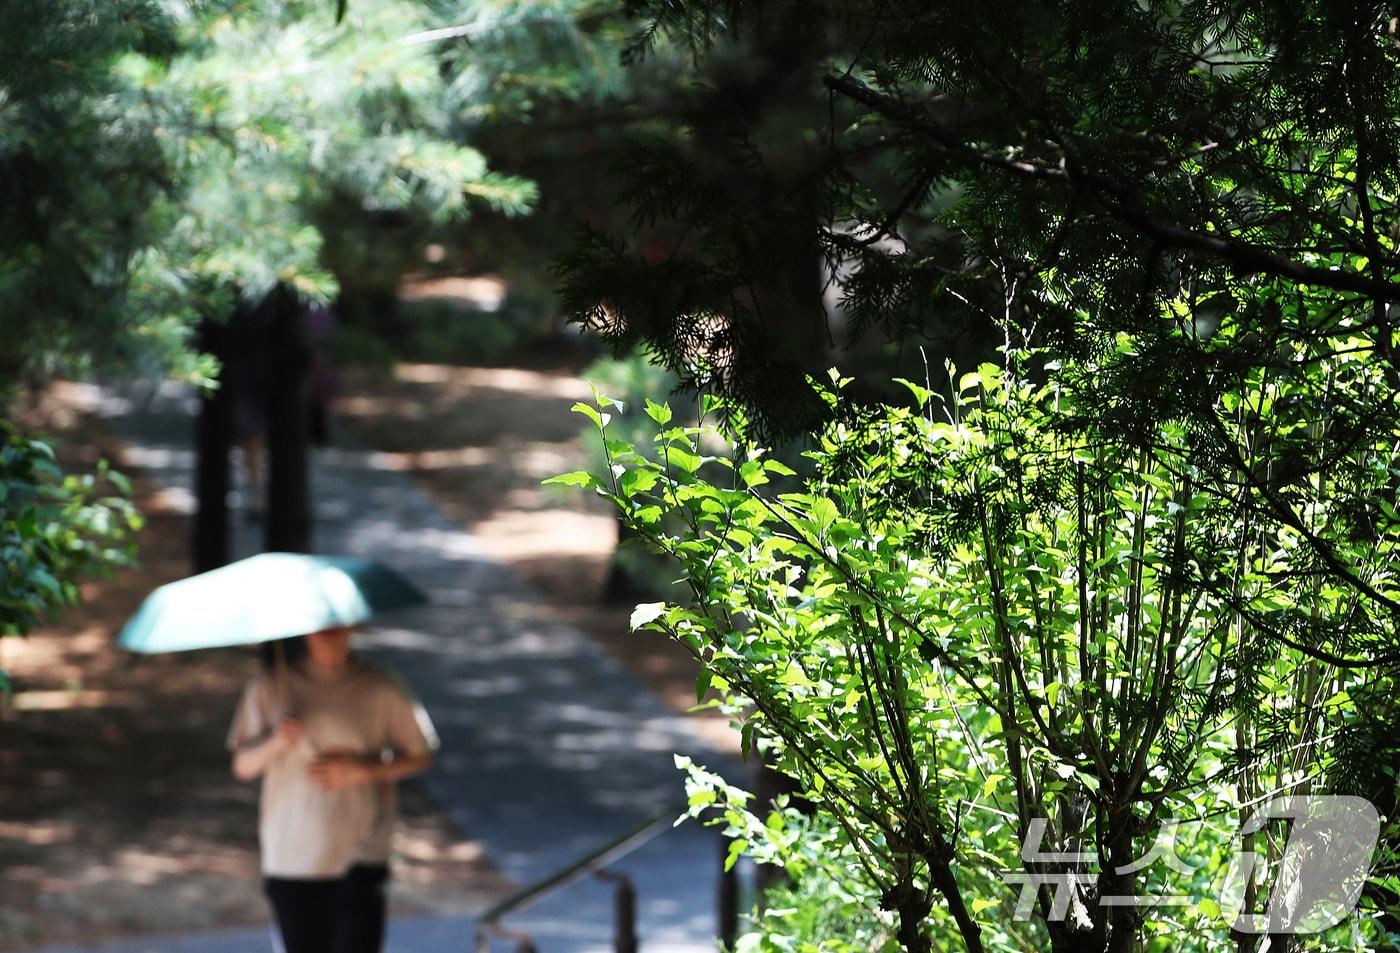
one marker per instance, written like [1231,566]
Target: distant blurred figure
[248,378]
[249,348]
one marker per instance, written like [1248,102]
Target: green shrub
[54,530]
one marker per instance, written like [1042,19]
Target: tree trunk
[213,437]
[1116,927]
[289,517]
[939,857]
[912,913]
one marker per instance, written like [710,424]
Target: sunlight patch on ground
[138,865]
[38,657]
[517,380]
[360,405]
[481,292]
[80,698]
[514,534]
[541,460]
[37,833]
[174,499]
[411,845]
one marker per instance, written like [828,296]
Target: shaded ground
[117,812]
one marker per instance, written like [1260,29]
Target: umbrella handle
[279,678]
[283,691]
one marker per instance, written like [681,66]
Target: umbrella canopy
[266,597]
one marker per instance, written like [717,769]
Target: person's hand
[286,736]
[332,772]
[251,760]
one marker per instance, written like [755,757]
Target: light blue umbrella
[266,597]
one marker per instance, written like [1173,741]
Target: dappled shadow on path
[479,441]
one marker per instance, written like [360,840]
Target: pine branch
[1244,257]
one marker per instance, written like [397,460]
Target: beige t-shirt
[362,710]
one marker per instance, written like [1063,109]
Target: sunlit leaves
[293,112]
[54,529]
[982,610]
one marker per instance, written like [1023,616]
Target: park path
[549,749]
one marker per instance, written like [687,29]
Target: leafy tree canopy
[80,180]
[1176,223]
[972,620]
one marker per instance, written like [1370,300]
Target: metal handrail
[611,852]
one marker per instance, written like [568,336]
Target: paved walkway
[550,749]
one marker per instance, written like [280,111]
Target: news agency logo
[1315,884]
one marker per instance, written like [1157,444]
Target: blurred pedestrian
[329,735]
[246,376]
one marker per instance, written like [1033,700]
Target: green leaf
[753,473]
[736,850]
[682,459]
[647,515]
[47,582]
[590,413]
[119,480]
[702,683]
[574,478]
[645,613]
[746,740]
[921,394]
[637,481]
[618,448]
[982,903]
[793,675]
[658,412]
[823,511]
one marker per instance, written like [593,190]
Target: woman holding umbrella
[329,736]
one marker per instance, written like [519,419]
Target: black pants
[339,915]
